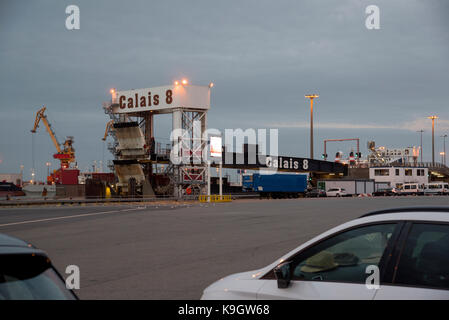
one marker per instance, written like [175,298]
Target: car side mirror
[283,274]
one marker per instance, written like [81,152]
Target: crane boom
[40,116]
[108,127]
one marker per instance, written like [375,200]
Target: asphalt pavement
[174,251]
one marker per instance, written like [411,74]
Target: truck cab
[247,182]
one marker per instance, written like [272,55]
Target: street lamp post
[444,147]
[48,164]
[433,138]
[311,97]
[21,175]
[420,147]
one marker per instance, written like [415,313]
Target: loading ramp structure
[251,159]
[133,114]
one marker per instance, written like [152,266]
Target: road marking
[65,217]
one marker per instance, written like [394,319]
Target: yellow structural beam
[215,198]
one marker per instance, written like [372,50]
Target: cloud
[262,55]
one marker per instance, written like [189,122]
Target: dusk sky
[263,57]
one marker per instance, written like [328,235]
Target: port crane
[65,152]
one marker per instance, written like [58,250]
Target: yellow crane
[65,152]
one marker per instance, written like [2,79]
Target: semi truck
[276,186]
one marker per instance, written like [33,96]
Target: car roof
[408,210]
[11,245]
[6,240]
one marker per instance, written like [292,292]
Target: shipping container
[276,185]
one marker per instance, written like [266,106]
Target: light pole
[444,147]
[48,164]
[21,175]
[433,138]
[311,97]
[208,181]
[420,147]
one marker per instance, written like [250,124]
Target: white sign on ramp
[215,147]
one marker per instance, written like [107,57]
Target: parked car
[336,192]
[386,192]
[411,189]
[26,273]
[407,249]
[437,188]
[315,193]
[8,190]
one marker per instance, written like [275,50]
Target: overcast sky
[262,56]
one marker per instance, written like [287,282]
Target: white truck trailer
[352,187]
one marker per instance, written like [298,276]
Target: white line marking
[65,217]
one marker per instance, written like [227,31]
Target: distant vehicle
[411,189]
[26,273]
[315,193]
[247,182]
[407,246]
[336,192]
[386,192]
[437,188]
[276,185]
[8,189]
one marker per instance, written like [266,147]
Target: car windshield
[30,277]
[331,190]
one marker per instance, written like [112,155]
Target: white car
[336,192]
[412,189]
[389,254]
[437,188]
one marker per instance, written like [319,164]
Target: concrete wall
[358,173]
[70,191]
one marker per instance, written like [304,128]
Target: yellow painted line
[63,218]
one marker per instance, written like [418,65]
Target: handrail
[412,164]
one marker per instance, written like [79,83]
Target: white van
[411,189]
[435,188]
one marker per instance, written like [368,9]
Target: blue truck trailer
[276,185]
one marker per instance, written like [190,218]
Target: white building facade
[397,176]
